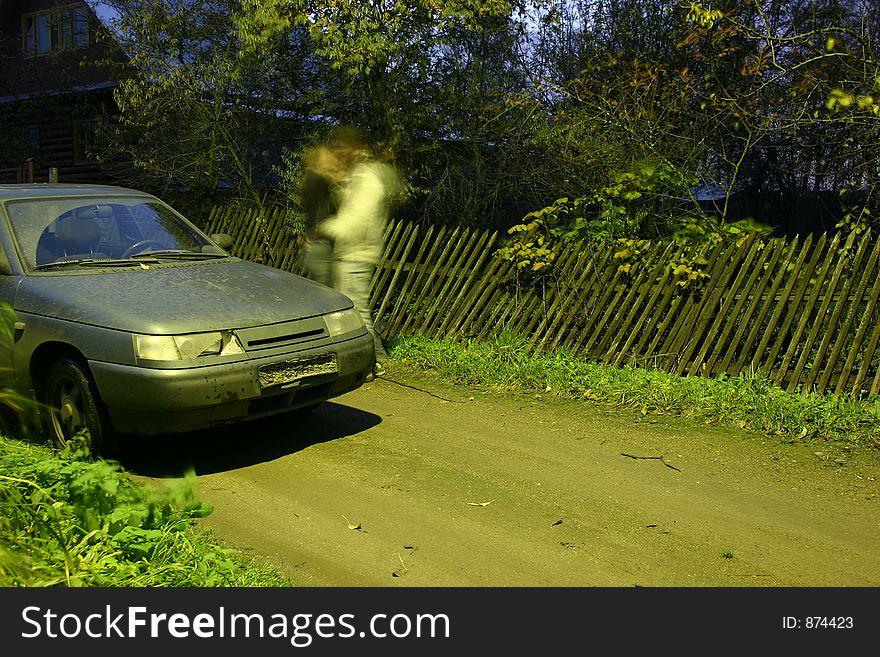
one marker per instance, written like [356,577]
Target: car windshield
[84,228]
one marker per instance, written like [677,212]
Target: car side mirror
[223,240]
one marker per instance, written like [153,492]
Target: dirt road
[412,482]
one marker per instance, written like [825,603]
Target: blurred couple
[347,194]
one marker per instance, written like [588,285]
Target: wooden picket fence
[803,312]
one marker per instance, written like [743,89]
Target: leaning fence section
[803,312]
[269,236]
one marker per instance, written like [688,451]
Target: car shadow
[236,446]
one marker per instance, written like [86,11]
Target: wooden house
[56,91]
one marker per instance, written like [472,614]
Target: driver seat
[78,235]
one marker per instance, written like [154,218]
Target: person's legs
[318,261]
[353,280]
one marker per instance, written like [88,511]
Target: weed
[65,521]
[746,401]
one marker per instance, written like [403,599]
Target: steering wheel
[139,246]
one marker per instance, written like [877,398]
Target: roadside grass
[67,521]
[749,402]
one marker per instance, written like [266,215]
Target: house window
[73,28]
[37,34]
[85,140]
[55,29]
[32,137]
[18,143]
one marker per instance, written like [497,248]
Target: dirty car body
[127,319]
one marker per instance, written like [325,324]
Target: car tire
[72,403]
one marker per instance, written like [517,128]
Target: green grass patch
[65,521]
[747,402]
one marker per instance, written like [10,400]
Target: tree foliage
[600,118]
[428,79]
[686,119]
[197,111]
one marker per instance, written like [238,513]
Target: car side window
[5,265]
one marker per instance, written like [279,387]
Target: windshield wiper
[95,262]
[175,253]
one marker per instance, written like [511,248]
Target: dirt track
[412,482]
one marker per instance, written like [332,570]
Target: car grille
[302,333]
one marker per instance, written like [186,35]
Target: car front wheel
[73,404]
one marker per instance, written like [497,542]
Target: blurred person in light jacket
[364,195]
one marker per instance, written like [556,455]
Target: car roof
[36,190]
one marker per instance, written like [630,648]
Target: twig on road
[656,458]
[405,385]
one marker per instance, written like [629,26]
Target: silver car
[127,319]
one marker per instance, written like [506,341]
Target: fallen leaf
[351,525]
[481,503]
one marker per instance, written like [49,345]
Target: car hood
[191,297]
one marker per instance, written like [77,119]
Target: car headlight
[186,347]
[344,321]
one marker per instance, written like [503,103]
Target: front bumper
[150,401]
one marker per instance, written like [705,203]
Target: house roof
[109,84]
